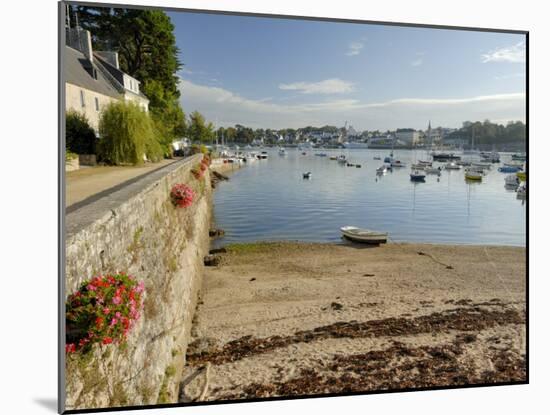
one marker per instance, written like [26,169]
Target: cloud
[417,62]
[354,48]
[328,86]
[513,54]
[230,108]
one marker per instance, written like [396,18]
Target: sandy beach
[287,319]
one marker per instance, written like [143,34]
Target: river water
[269,200]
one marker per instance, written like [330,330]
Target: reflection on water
[270,200]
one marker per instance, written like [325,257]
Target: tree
[145,42]
[79,136]
[199,130]
[126,134]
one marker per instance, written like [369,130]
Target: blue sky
[275,73]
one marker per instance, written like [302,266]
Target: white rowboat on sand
[364,235]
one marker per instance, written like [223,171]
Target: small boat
[377,158]
[522,191]
[463,163]
[262,155]
[342,159]
[388,159]
[424,163]
[350,164]
[522,175]
[511,180]
[333,158]
[433,170]
[417,176]
[508,169]
[307,175]
[364,235]
[381,170]
[282,151]
[444,156]
[517,164]
[418,166]
[304,153]
[473,175]
[493,157]
[397,163]
[452,166]
[321,154]
[519,156]
[357,166]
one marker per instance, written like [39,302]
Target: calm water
[269,200]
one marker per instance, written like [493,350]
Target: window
[97,104]
[82,99]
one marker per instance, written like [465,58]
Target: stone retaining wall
[138,230]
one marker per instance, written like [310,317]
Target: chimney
[80,39]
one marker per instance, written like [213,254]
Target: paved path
[86,182]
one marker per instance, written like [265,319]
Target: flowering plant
[182,195]
[103,310]
[197,173]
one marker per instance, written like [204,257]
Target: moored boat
[522,175]
[417,176]
[511,180]
[364,235]
[452,166]
[306,175]
[473,175]
[508,169]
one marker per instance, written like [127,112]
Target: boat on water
[493,156]
[452,166]
[321,154]
[333,158]
[441,156]
[397,163]
[473,175]
[418,166]
[508,169]
[364,235]
[463,163]
[433,170]
[377,158]
[519,156]
[282,151]
[522,176]
[262,155]
[381,170]
[417,176]
[517,164]
[306,175]
[512,181]
[522,191]
[342,159]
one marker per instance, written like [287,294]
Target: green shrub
[80,137]
[126,134]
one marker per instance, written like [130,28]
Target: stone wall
[137,229]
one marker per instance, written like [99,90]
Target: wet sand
[283,319]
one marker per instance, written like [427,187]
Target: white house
[94,79]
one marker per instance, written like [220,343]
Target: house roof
[117,75]
[78,71]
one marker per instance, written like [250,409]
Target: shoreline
[293,318]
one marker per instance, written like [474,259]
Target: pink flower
[91,287]
[106,310]
[113,322]
[117,300]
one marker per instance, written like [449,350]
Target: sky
[279,73]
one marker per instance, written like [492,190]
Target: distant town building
[408,136]
[94,79]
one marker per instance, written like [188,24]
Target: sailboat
[471,150]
